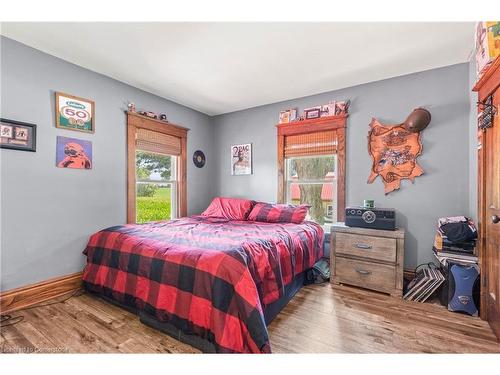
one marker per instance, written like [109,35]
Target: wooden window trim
[135,121]
[337,123]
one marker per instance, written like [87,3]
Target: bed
[212,282]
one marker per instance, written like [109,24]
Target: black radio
[374,218]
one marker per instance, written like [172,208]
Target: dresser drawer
[359,245]
[368,275]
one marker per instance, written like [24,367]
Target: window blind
[151,141]
[311,144]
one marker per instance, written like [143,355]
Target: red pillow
[278,213]
[229,208]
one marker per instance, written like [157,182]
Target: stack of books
[427,280]
[463,252]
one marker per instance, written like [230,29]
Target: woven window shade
[319,143]
[151,141]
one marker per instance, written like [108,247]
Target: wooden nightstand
[368,258]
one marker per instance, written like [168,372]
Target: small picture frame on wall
[74,113]
[73,153]
[241,159]
[17,135]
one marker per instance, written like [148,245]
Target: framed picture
[73,153]
[74,113]
[328,109]
[17,135]
[241,159]
[284,117]
[314,112]
[288,115]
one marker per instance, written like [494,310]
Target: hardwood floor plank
[319,319]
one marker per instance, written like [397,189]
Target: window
[156,187]
[156,170]
[311,166]
[311,180]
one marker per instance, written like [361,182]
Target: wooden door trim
[33,294]
[485,86]
[337,123]
[136,121]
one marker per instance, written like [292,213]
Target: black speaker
[374,218]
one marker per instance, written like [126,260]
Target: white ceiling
[223,67]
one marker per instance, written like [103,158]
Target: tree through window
[311,166]
[312,180]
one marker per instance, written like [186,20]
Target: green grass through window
[154,208]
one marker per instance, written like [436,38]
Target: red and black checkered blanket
[206,276]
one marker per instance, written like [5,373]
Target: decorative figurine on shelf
[163,117]
[149,114]
[342,108]
[131,107]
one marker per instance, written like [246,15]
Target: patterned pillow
[278,213]
[229,208]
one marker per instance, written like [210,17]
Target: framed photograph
[17,135]
[288,115]
[328,109]
[73,153]
[311,113]
[284,117]
[241,159]
[74,113]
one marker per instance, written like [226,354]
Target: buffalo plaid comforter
[206,276]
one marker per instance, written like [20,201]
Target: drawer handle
[363,246]
[363,272]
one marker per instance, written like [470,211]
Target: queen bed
[214,281]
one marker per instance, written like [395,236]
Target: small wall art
[312,113]
[241,159]
[73,153]
[74,113]
[342,108]
[288,115]
[199,158]
[17,135]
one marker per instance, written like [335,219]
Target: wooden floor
[319,319]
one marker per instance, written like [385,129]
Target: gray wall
[473,167]
[47,213]
[442,191]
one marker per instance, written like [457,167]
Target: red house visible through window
[307,184]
